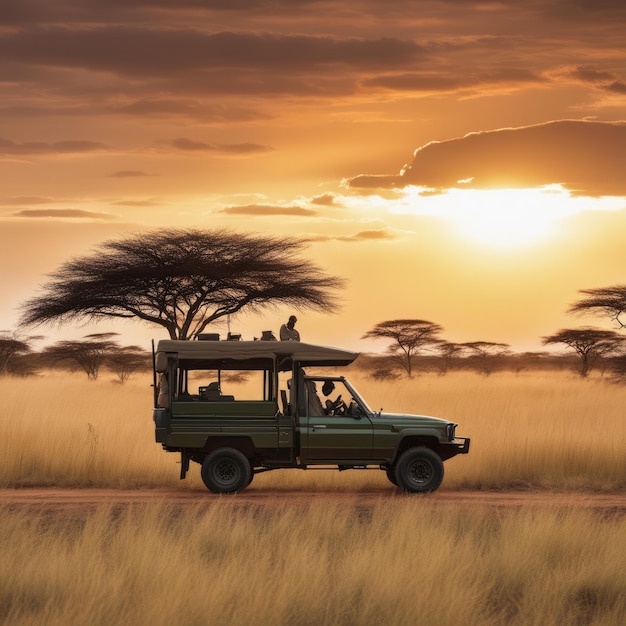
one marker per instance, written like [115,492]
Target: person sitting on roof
[288,331]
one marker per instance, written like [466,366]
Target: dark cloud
[64,214]
[11,148]
[588,158]
[618,86]
[189,145]
[135,51]
[436,82]
[167,107]
[158,58]
[266,209]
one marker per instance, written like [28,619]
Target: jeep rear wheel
[226,470]
[419,470]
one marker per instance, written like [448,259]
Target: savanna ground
[350,548]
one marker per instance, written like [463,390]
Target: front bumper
[463,448]
[460,445]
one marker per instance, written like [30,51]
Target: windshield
[327,394]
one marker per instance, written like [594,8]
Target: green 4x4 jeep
[284,417]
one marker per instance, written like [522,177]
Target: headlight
[451,429]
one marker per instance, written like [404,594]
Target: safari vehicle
[290,419]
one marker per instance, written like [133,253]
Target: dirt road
[54,498]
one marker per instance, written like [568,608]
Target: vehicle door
[333,435]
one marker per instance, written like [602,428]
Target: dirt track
[54,498]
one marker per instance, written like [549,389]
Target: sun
[503,219]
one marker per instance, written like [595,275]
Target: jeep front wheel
[226,470]
[419,470]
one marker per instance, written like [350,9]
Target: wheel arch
[414,440]
[245,445]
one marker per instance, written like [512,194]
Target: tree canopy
[182,280]
[408,337]
[587,343]
[609,301]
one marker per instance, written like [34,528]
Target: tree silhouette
[89,353]
[125,360]
[484,353]
[587,343]
[449,352]
[608,301]
[12,345]
[182,280]
[408,337]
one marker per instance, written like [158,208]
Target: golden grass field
[402,560]
[550,430]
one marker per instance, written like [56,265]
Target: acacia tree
[89,353]
[408,337]
[609,301]
[126,360]
[182,280]
[485,352]
[11,345]
[449,351]
[588,343]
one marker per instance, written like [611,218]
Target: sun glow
[502,218]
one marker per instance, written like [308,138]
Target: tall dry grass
[528,430]
[312,565]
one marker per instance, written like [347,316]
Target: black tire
[226,470]
[419,470]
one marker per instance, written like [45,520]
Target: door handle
[319,426]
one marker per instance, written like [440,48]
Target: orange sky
[460,162]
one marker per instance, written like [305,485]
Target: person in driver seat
[331,405]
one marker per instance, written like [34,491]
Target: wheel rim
[226,472]
[421,472]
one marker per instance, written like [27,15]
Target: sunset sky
[459,162]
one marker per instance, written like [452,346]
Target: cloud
[181,106]
[25,200]
[325,199]
[266,209]
[189,145]
[438,82]
[34,148]
[379,234]
[128,174]
[64,214]
[136,51]
[137,203]
[587,158]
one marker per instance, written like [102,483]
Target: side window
[326,396]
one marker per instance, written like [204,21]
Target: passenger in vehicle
[314,404]
[163,399]
[332,406]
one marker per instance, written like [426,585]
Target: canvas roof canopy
[239,355]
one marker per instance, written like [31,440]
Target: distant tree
[449,351]
[11,346]
[89,353]
[588,343]
[485,352]
[408,338]
[126,360]
[607,301]
[182,280]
